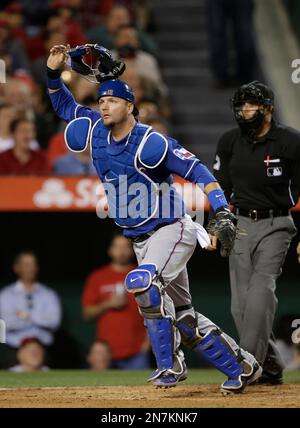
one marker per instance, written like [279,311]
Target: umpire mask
[252,93]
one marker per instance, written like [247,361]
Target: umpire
[258,166]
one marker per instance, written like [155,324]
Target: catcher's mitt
[223,226]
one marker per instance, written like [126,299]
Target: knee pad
[147,295]
[160,328]
[141,278]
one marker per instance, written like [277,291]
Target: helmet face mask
[94,63]
[253,93]
[239,113]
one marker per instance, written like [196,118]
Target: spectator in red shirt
[118,320]
[21,159]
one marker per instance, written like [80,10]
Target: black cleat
[270,379]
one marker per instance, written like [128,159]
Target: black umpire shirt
[261,175]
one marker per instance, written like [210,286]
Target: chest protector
[132,196]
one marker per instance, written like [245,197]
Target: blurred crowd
[31,135]
[33,315]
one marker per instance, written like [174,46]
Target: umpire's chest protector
[132,196]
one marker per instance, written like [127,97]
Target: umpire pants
[256,263]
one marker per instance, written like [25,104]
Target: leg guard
[159,326]
[217,351]
[212,346]
[160,332]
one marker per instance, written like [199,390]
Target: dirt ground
[149,397]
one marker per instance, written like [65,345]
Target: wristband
[217,199]
[53,79]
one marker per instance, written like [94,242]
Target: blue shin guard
[218,353]
[160,332]
[160,327]
[212,347]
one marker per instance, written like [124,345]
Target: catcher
[135,165]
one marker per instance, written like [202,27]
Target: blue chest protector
[133,195]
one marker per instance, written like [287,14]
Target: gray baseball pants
[170,248]
[256,263]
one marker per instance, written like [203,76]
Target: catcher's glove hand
[223,226]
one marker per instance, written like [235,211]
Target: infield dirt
[196,396]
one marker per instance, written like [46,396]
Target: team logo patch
[274,171]
[183,153]
[108,92]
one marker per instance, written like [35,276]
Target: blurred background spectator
[127,46]
[18,93]
[158,125]
[6,117]
[181,89]
[38,65]
[30,356]
[99,356]
[12,50]
[106,300]
[29,308]
[21,159]
[27,32]
[117,17]
[60,20]
[57,146]
[75,164]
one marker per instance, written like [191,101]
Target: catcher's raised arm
[93,62]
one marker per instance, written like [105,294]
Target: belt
[141,238]
[260,214]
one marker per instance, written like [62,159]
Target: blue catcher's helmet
[117,88]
